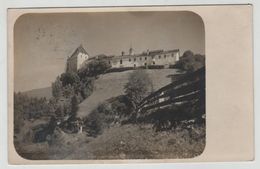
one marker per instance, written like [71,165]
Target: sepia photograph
[109,85]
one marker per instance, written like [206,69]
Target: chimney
[131,51]
[147,52]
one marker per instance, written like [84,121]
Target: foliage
[69,78]
[107,114]
[120,69]
[31,107]
[94,68]
[57,88]
[26,108]
[191,62]
[139,85]
[86,87]
[42,134]
[155,66]
[68,91]
[98,119]
[74,106]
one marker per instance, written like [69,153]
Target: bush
[173,66]
[155,67]
[94,68]
[106,114]
[121,69]
[99,119]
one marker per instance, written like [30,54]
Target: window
[134,59]
[121,61]
[145,64]
[129,60]
[164,56]
[134,65]
[159,56]
[154,62]
[109,62]
[145,58]
[172,54]
[140,58]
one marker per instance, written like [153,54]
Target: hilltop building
[154,57]
[77,59]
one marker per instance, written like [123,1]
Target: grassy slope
[112,84]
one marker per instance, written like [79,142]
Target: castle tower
[76,60]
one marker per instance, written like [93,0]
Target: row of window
[159,56]
[152,57]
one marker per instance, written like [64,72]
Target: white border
[5,4]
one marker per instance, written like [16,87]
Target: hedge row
[121,69]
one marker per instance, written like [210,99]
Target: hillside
[41,92]
[112,85]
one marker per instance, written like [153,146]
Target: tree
[74,106]
[139,85]
[94,68]
[68,91]
[187,53]
[57,88]
[69,78]
[190,62]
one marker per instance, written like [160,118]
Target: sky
[42,42]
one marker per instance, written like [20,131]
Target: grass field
[112,85]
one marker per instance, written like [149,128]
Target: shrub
[121,69]
[106,114]
[155,67]
[94,68]
[99,119]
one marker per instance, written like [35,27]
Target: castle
[77,59]
[154,57]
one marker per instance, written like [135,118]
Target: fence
[186,88]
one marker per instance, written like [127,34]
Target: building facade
[155,57]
